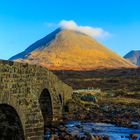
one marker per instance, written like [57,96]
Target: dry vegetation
[117,94]
[120,81]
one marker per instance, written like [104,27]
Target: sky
[22,22]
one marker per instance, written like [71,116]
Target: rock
[67,137]
[134,124]
[97,137]
[133,136]
[76,137]
[87,133]
[75,133]
[62,128]
[93,138]
[127,137]
[79,126]
[106,138]
[89,98]
[52,138]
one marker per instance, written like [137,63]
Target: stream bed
[101,129]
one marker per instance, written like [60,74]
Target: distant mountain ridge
[134,57]
[70,50]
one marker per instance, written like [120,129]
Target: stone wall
[21,86]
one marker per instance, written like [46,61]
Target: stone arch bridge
[30,98]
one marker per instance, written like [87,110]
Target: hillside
[70,50]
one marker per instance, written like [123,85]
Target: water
[114,132]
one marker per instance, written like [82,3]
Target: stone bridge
[31,97]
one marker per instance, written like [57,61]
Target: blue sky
[22,22]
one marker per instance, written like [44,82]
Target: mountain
[134,57]
[70,50]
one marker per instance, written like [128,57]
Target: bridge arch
[10,123]
[45,102]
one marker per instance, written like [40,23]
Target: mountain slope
[70,50]
[134,57]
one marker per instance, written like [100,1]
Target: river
[114,132]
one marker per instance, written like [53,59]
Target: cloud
[50,24]
[88,30]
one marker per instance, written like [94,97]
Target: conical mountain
[134,57]
[70,50]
